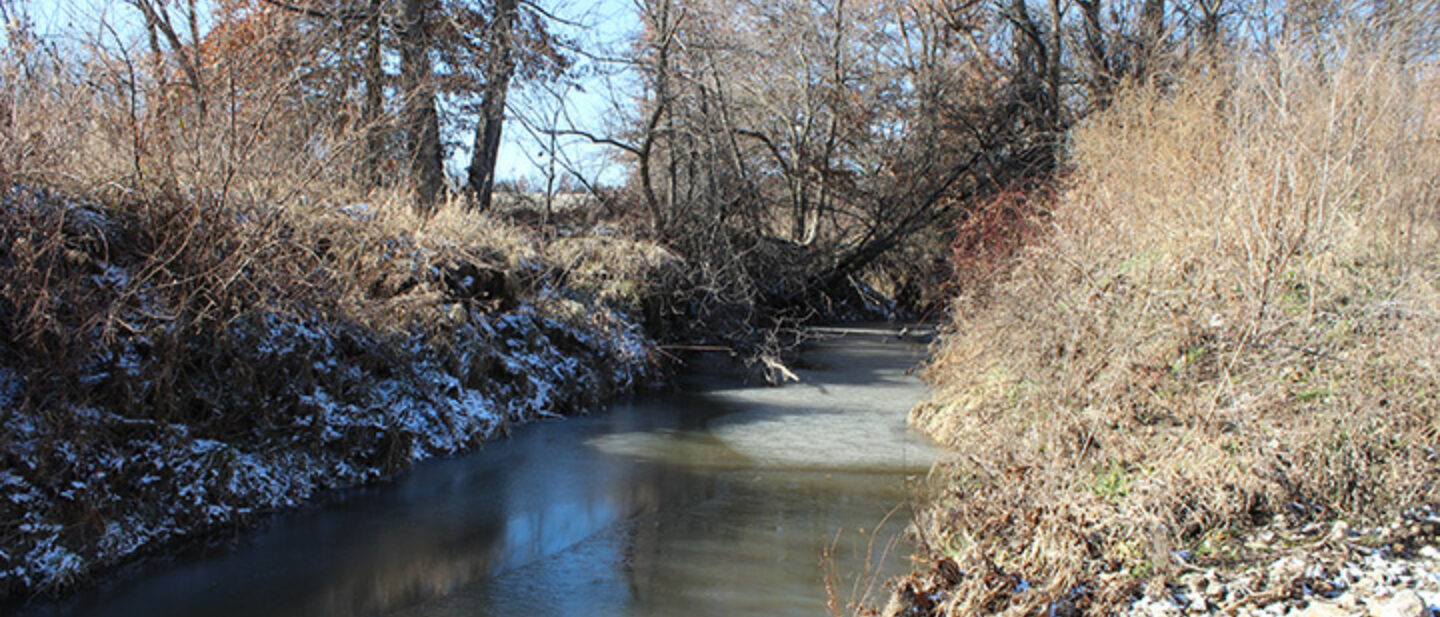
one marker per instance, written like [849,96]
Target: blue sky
[590,102]
[604,25]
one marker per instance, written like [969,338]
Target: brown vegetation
[1229,319]
[205,316]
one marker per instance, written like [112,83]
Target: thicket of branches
[818,157]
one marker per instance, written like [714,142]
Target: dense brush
[1230,318]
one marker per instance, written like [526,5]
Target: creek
[721,499]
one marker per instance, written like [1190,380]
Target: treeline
[841,142]
[823,158]
[805,157]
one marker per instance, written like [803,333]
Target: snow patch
[155,481]
[10,389]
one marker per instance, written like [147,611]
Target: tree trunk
[1210,30]
[500,66]
[374,99]
[1033,68]
[1053,56]
[422,122]
[662,28]
[1102,78]
[1152,36]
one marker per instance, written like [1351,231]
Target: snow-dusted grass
[150,394]
[87,489]
[209,315]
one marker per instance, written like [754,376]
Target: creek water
[723,499]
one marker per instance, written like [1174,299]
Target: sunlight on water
[846,413]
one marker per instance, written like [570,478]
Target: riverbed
[721,499]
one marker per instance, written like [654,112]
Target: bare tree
[422,121]
[1102,70]
[499,68]
[158,22]
[662,20]
[1208,30]
[1152,37]
[374,95]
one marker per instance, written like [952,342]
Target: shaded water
[723,500]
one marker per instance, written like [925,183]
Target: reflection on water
[718,502]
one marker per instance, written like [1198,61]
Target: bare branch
[310,11]
[593,138]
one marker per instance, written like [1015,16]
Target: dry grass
[1232,319]
[251,207]
[178,276]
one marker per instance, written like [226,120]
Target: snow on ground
[85,489]
[271,408]
[10,385]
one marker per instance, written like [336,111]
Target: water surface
[725,499]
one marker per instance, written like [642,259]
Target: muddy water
[723,500]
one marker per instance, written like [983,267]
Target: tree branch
[345,15]
[594,139]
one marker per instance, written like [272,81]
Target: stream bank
[143,485]
[173,369]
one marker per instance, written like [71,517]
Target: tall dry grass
[1231,319]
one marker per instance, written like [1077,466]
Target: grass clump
[1229,318]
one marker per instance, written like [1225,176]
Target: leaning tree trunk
[500,66]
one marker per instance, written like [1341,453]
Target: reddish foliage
[990,234]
